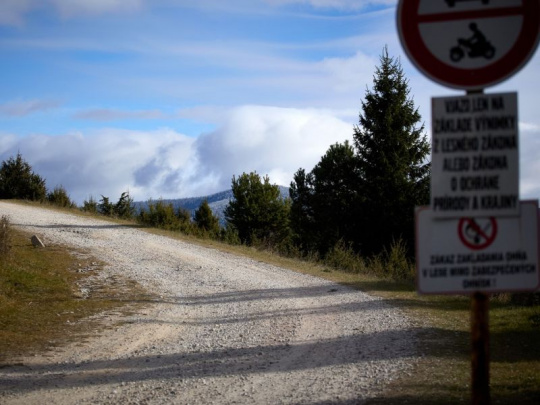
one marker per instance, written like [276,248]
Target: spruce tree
[206,220]
[17,180]
[391,148]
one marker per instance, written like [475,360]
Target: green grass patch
[41,305]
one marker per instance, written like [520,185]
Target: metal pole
[480,349]
[480,339]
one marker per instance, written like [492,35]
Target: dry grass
[47,295]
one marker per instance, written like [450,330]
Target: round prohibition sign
[515,23]
[477,234]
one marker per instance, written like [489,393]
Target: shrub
[105,207]
[124,207]
[161,215]
[399,267]
[393,264]
[343,257]
[229,235]
[60,198]
[90,205]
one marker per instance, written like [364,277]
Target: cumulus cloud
[27,107]
[165,163]
[270,140]
[103,162]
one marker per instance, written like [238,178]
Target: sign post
[471,45]
[480,349]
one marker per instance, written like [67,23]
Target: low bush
[398,265]
[60,198]
[343,257]
[393,264]
[90,206]
[229,235]
[163,216]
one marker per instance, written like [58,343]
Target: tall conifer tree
[391,149]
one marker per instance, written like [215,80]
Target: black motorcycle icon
[474,47]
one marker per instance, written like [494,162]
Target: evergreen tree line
[364,194]
[353,210]
[18,180]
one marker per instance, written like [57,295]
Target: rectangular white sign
[475,156]
[487,254]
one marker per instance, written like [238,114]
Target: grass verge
[45,293]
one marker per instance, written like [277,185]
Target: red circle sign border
[468,79]
[489,240]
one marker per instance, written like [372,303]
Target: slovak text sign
[475,156]
[467,255]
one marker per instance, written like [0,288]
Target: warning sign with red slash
[463,256]
[469,44]
[477,234]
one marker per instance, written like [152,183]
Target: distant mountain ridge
[217,202]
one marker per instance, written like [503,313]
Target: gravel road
[224,330]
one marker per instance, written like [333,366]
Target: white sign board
[463,256]
[475,156]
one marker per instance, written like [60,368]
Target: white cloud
[104,162]
[269,140]
[165,163]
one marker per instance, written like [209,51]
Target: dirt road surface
[223,329]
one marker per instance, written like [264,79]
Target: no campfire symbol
[477,233]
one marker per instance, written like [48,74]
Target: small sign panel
[475,156]
[467,255]
[469,44]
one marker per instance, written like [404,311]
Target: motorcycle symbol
[474,47]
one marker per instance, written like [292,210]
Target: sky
[171,98]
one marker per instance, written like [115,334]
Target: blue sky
[171,98]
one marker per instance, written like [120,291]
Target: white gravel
[225,330]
